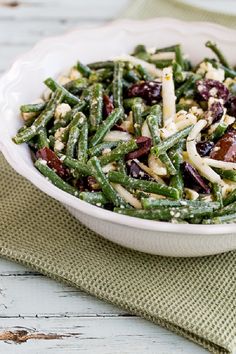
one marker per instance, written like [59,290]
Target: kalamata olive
[81,184]
[135,171]
[204,147]
[108,106]
[144,143]
[150,91]
[207,88]
[216,110]
[193,180]
[225,148]
[52,161]
[231,106]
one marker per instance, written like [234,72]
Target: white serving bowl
[24,82]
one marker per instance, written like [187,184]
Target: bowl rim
[31,174]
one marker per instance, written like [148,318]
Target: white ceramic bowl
[24,82]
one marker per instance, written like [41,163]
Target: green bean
[72,141]
[83,69]
[121,166]
[101,75]
[160,64]
[150,203]
[225,219]
[77,121]
[168,164]
[181,91]
[219,131]
[95,198]
[122,149]
[227,174]
[76,86]
[229,72]
[106,126]
[217,193]
[227,209]
[75,164]
[166,214]
[101,64]
[108,191]
[143,73]
[175,154]
[146,186]
[152,122]
[129,102]
[156,110]
[231,197]
[218,53]
[118,84]
[41,121]
[137,109]
[131,76]
[68,97]
[82,154]
[55,179]
[179,56]
[51,139]
[166,49]
[140,52]
[98,149]
[42,139]
[178,73]
[33,108]
[171,141]
[96,103]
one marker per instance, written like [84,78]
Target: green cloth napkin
[141,9]
[194,297]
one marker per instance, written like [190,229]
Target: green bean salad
[148,135]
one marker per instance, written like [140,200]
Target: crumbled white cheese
[63,80]
[61,110]
[58,146]
[28,115]
[59,133]
[115,135]
[229,82]
[74,74]
[207,70]
[191,194]
[106,151]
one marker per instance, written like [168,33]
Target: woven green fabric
[142,9]
[194,297]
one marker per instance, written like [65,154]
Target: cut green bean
[179,56]
[218,53]
[72,141]
[168,164]
[219,131]
[75,164]
[83,69]
[152,122]
[108,191]
[33,108]
[140,52]
[82,154]
[231,197]
[225,219]
[171,141]
[98,149]
[42,139]
[146,186]
[143,73]
[95,198]
[77,121]
[150,203]
[137,110]
[166,214]
[55,179]
[118,84]
[41,121]
[76,86]
[116,154]
[175,154]
[68,97]
[101,64]
[170,48]
[96,103]
[183,89]
[217,193]
[227,174]
[106,126]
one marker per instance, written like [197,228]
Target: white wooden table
[38,315]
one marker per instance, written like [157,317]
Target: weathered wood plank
[92,335]
[35,295]
[58,9]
